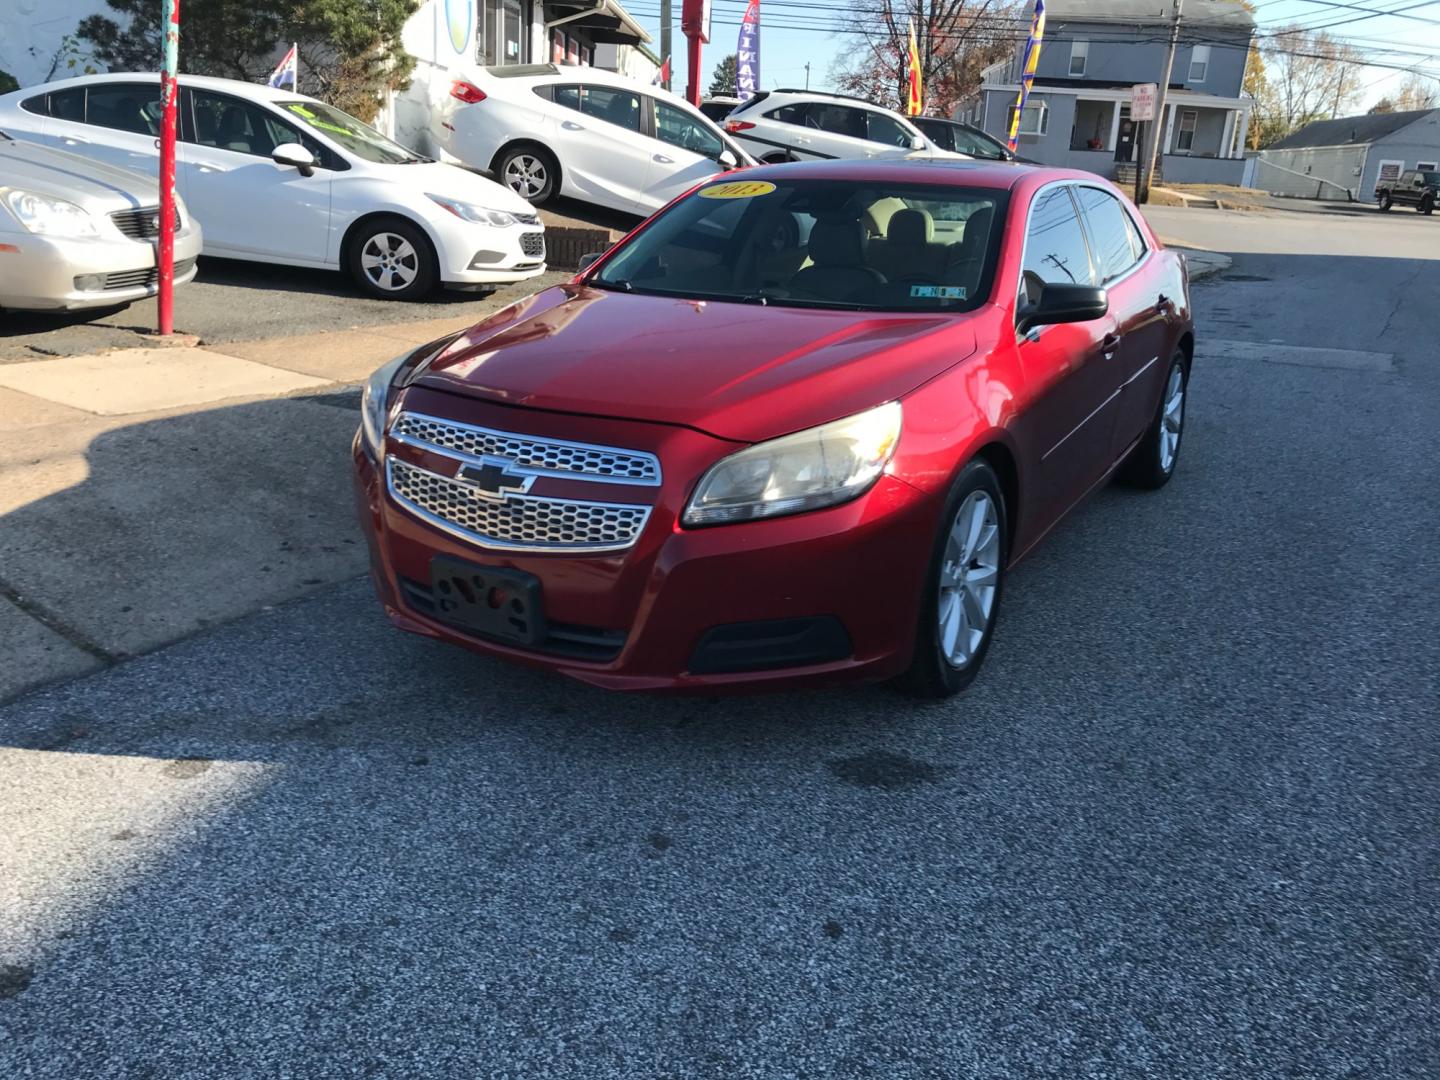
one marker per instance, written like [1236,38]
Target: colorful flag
[747,53]
[286,71]
[663,75]
[916,78]
[1027,71]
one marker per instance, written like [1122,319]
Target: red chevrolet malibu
[794,429]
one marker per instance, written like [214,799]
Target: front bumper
[40,274]
[844,582]
[474,255]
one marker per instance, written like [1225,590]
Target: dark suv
[964,139]
[1416,187]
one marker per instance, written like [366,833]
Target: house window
[1035,120]
[1427,166]
[1185,140]
[1199,62]
[1079,51]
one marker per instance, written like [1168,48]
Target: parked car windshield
[818,243]
[343,129]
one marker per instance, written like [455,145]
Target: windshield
[349,133]
[818,243]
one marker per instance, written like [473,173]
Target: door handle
[1109,345]
[570,125]
[663,160]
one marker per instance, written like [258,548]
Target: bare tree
[1417,92]
[1308,75]
[955,40]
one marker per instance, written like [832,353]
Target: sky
[1408,39]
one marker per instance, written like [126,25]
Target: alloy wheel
[1172,418]
[969,578]
[525,175]
[390,261]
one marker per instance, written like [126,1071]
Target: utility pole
[665,22]
[807,76]
[1147,158]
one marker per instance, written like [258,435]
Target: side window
[679,128]
[1055,248]
[967,143]
[1137,242]
[837,119]
[618,107]
[887,130]
[228,123]
[789,114]
[568,96]
[40,103]
[69,104]
[1109,234]
[133,107]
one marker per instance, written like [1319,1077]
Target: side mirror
[1065,304]
[918,143]
[727,159]
[589,260]
[295,155]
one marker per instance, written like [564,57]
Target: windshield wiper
[619,285]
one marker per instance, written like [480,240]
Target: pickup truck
[1419,188]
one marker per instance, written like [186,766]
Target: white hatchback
[550,129]
[274,176]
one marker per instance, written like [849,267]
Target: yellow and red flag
[1027,72]
[916,103]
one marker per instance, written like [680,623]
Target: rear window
[818,243]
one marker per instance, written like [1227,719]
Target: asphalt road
[1185,825]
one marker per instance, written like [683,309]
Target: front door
[1068,429]
[686,151]
[250,207]
[1125,139]
[604,155]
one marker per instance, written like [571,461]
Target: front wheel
[1152,462]
[1385,202]
[1427,205]
[962,588]
[393,260]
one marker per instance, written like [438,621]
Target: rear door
[604,155]
[1068,429]
[686,151]
[1138,306]
[887,135]
[114,122]
[836,131]
[250,207]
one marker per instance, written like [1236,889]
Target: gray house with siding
[1094,51]
[1350,154]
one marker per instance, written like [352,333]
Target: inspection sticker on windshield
[737,189]
[937,292]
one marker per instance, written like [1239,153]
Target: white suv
[550,129]
[803,125]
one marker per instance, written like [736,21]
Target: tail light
[733,126]
[469,93]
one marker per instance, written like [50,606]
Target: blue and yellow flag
[1027,73]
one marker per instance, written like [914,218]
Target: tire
[530,171]
[1427,205]
[1385,202]
[1152,463]
[392,259]
[948,654]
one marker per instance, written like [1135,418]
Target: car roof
[255,91]
[948,171]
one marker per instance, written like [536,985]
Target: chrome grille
[140,224]
[528,452]
[533,244]
[518,522]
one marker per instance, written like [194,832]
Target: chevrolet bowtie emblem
[493,479]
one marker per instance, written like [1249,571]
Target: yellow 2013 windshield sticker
[737,189]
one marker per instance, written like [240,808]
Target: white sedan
[549,129]
[274,176]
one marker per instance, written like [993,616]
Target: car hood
[452,182]
[76,179]
[738,371]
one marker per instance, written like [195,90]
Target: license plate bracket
[488,601]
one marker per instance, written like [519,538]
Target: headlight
[823,466]
[478,214]
[375,401]
[44,216]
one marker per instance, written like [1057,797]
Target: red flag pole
[165,258]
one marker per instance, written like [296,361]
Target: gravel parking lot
[1184,826]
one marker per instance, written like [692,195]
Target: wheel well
[360,224]
[998,457]
[778,157]
[1187,346]
[515,144]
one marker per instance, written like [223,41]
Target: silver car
[76,234]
